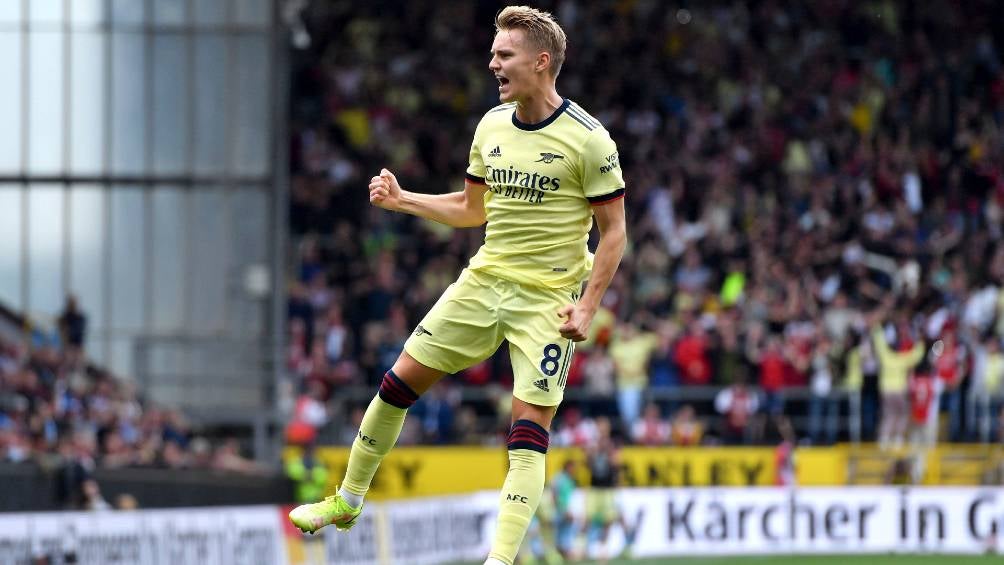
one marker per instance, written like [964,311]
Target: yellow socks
[377,434]
[522,489]
[524,483]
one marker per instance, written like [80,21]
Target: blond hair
[542,31]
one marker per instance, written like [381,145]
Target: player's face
[512,64]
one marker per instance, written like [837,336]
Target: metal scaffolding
[146,174]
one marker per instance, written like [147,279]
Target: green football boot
[332,510]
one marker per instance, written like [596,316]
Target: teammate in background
[563,487]
[552,533]
[604,462]
[541,543]
[308,475]
[540,170]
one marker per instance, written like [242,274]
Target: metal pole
[149,139]
[986,418]
[67,146]
[25,157]
[279,93]
[106,277]
[854,410]
[229,171]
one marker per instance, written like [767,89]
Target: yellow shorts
[601,505]
[478,311]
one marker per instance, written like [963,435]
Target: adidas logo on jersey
[542,385]
[497,152]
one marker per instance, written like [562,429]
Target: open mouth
[502,81]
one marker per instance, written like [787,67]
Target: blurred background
[197,301]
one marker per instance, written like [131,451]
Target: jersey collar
[540,125]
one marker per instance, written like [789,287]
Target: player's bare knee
[417,376]
[541,415]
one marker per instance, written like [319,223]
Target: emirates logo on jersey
[499,177]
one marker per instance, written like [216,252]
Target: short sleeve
[602,180]
[475,162]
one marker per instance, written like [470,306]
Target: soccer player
[604,461]
[540,170]
[563,487]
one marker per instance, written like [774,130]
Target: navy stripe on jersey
[575,109]
[581,121]
[474,179]
[603,199]
[563,372]
[526,434]
[540,125]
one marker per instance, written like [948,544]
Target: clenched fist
[577,321]
[384,191]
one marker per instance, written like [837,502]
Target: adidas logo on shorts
[497,152]
[542,385]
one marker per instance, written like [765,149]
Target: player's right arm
[458,209]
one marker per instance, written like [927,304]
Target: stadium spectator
[686,429]
[775,363]
[599,375]
[201,453]
[652,428]
[738,404]
[664,375]
[59,411]
[126,501]
[824,405]
[93,499]
[73,330]
[631,349]
[784,172]
[987,393]
[861,380]
[437,412]
[77,466]
[727,349]
[691,355]
[784,462]
[573,430]
[308,475]
[895,366]
[309,414]
[900,472]
[338,339]
[950,368]
[923,406]
[228,457]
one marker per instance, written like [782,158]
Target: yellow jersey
[542,180]
[631,357]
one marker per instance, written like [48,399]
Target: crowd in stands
[70,417]
[815,194]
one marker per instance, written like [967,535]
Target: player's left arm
[611,222]
[603,187]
